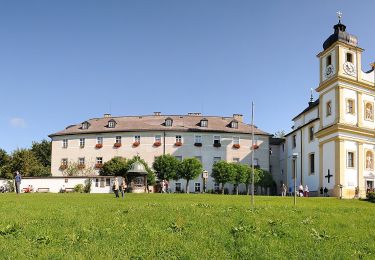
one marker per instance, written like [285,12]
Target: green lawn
[180,226]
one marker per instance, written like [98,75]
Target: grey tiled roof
[183,123]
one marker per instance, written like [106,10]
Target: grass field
[180,226]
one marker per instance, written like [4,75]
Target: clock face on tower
[349,68]
[329,71]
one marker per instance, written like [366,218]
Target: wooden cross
[328,176]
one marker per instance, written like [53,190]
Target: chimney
[238,117]
[194,114]
[107,115]
[157,113]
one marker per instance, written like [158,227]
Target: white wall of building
[329,164]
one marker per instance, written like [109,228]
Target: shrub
[371,196]
[78,188]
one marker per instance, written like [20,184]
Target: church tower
[346,134]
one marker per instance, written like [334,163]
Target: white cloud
[18,122]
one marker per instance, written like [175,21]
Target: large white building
[332,143]
[208,138]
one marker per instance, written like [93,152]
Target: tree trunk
[247,189]
[187,186]
[236,189]
[222,188]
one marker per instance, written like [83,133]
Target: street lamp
[294,156]
[341,186]
[204,177]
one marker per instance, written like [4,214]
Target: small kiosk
[137,178]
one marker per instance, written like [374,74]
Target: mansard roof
[183,123]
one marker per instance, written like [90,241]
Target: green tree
[240,175]
[25,161]
[279,134]
[189,169]
[266,180]
[5,171]
[223,172]
[257,175]
[42,151]
[117,166]
[166,166]
[150,173]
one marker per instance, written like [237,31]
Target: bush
[371,196]
[78,188]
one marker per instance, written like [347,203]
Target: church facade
[332,143]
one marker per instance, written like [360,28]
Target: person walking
[306,191]
[18,181]
[116,187]
[123,187]
[283,190]
[300,190]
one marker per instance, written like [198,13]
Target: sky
[63,62]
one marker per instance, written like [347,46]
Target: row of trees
[35,161]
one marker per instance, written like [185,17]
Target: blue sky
[62,62]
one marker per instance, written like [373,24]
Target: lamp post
[341,186]
[295,155]
[204,177]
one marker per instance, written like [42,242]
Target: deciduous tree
[223,172]
[189,169]
[166,166]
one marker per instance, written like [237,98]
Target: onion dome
[341,35]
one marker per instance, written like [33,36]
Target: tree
[240,175]
[257,175]
[166,167]
[5,171]
[25,161]
[266,180]
[117,166]
[279,134]
[189,169]
[223,172]
[42,151]
[150,174]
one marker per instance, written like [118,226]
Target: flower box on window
[98,146]
[255,146]
[178,144]
[117,145]
[217,144]
[198,144]
[157,144]
[236,146]
[63,167]
[81,166]
[98,165]
[135,144]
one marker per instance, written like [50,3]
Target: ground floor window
[216,187]
[96,182]
[178,187]
[102,183]
[107,182]
[197,187]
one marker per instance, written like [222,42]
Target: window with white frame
[107,182]
[204,123]
[197,187]
[65,143]
[234,124]
[216,186]
[168,122]
[81,161]
[157,138]
[118,139]
[111,124]
[198,139]
[137,138]
[311,133]
[178,187]
[81,142]
[312,163]
[85,125]
[350,160]
[97,182]
[216,139]
[178,139]
[216,159]
[236,140]
[99,140]
[99,160]
[64,161]
[350,106]
[294,137]
[256,162]
[102,182]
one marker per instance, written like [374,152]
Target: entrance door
[369,185]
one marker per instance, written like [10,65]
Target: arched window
[369,160]
[204,122]
[111,123]
[369,111]
[168,121]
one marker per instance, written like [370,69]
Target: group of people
[119,187]
[302,191]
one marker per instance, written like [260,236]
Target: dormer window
[111,123]
[349,57]
[204,122]
[168,121]
[234,124]
[85,125]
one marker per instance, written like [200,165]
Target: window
[256,162]
[118,139]
[294,137]
[198,139]
[234,124]
[312,163]
[204,123]
[168,122]
[350,160]
[137,138]
[85,125]
[236,140]
[99,160]
[65,143]
[178,187]
[283,147]
[216,186]
[329,108]
[107,182]
[199,158]
[178,139]
[369,160]
[311,133]
[64,161]
[111,123]
[349,57]
[157,138]
[236,160]
[82,142]
[178,157]
[102,182]
[81,161]
[97,182]
[329,60]
[216,140]
[369,114]
[350,106]
[99,140]
[197,187]
[216,159]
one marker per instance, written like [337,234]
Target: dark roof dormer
[204,122]
[85,125]
[168,122]
[111,123]
[341,35]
